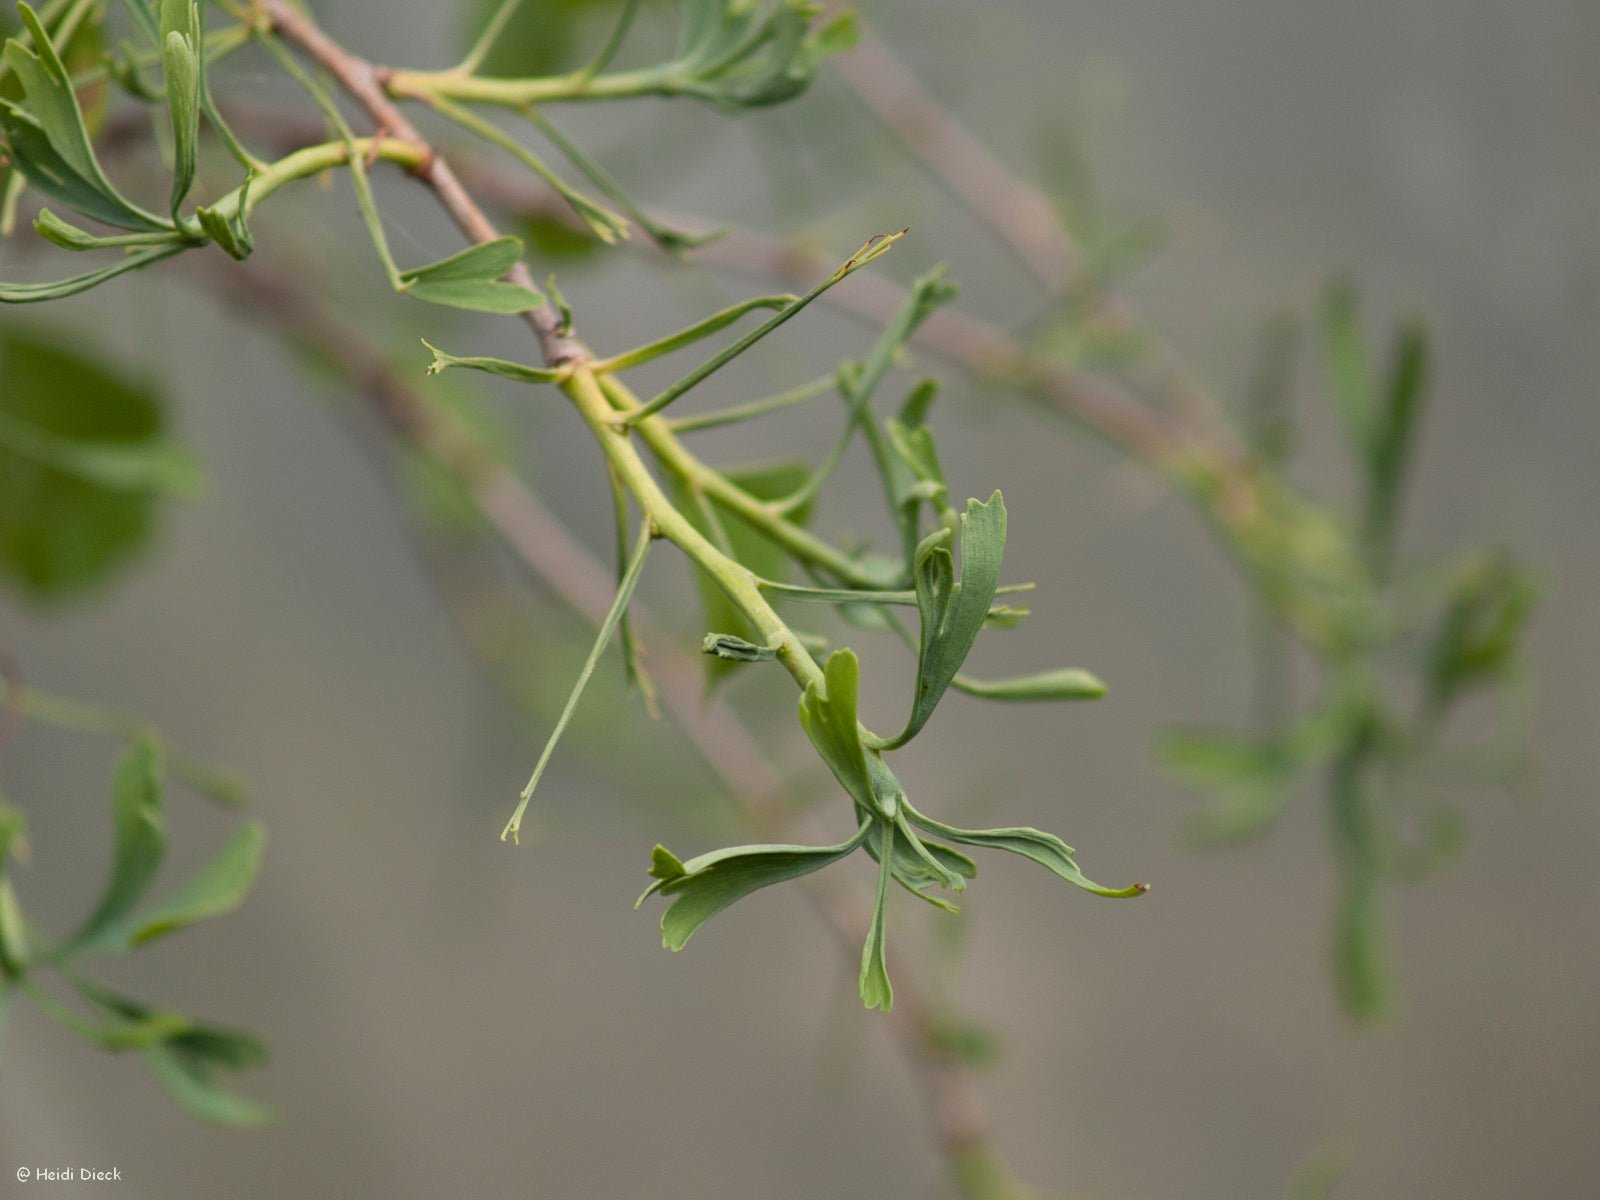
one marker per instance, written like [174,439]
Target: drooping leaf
[59,289]
[704,886]
[1043,848]
[188,1062]
[876,990]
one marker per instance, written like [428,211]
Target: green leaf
[493,366]
[231,232]
[485,261]
[69,237]
[1043,848]
[181,36]
[1349,370]
[953,611]
[828,715]
[189,1078]
[874,248]
[619,605]
[1479,636]
[217,889]
[702,887]
[38,293]
[76,497]
[49,140]
[873,984]
[533,39]
[130,1029]
[188,1061]
[159,470]
[1063,683]
[477,295]
[697,332]
[13,933]
[742,54]
[1360,961]
[1393,439]
[139,844]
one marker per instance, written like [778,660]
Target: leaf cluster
[191,1059]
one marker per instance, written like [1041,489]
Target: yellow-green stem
[583,388]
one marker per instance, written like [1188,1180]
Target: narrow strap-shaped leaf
[694,333]
[493,366]
[755,408]
[1043,848]
[873,984]
[633,671]
[1349,369]
[1063,683]
[69,237]
[871,250]
[181,38]
[630,580]
[35,293]
[1394,439]
[900,597]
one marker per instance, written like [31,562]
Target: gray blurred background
[451,1016]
